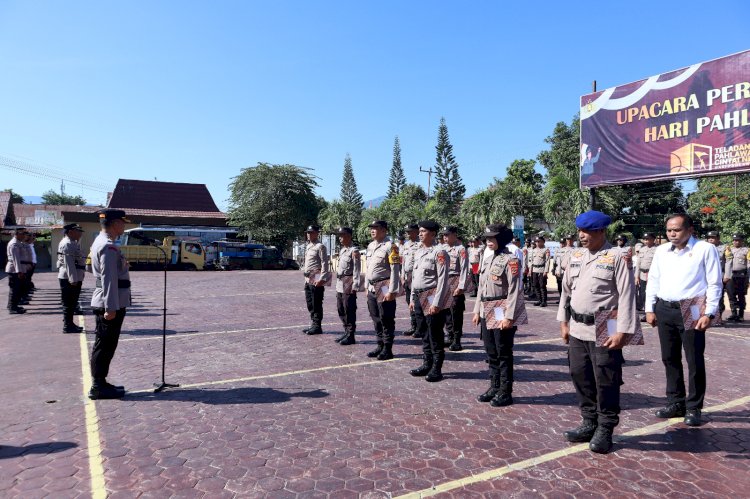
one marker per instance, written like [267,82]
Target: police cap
[502,234]
[593,220]
[69,227]
[109,214]
[313,228]
[378,223]
[649,235]
[712,233]
[429,225]
[449,229]
[344,230]
[411,227]
[621,237]
[738,237]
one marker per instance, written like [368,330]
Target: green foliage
[14,197]
[54,198]
[351,199]
[714,205]
[274,203]
[408,206]
[449,188]
[397,180]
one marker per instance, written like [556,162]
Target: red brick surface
[367,430]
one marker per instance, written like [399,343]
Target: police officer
[71,269]
[735,277]
[528,251]
[383,264]
[645,256]
[475,257]
[317,274]
[499,280]
[347,285]
[407,267]
[540,266]
[713,238]
[458,271]
[110,299]
[597,278]
[16,270]
[27,259]
[431,262]
[566,244]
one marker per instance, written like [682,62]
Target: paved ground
[264,410]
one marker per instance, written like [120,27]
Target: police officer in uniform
[407,267]
[735,277]
[566,244]
[16,270]
[499,280]
[383,264]
[317,274]
[27,259]
[475,257]
[110,299]
[645,256]
[347,285]
[431,262]
[540,265]
[597,278]
[528,251]
[713,238]
[458,269]
[71,269]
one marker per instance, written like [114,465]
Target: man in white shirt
[682,269]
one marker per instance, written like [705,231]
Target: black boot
[386,353]
[103,390]
[376,352]
[449,339]
[741,315]
[503,397]
[424,368]
[314,329]
[348,339]
[584,432]
[342,337]
[492,390]
[456,344]
[436,373]
[418,334]
[601,443]
[733,316]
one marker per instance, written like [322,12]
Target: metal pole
[429,173]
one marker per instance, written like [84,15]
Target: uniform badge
[394,258]
[463,253]
[441,259]
[495,277]
[513,264]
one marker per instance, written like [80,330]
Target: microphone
[146,239]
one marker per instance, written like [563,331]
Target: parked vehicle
[180,254]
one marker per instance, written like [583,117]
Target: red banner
[686,123]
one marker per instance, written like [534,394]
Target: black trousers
[107,336]
[597,376]
[412,314]
[640,297]
[737,289]
[14,294]
[383,317]
[314,299]
[433,342]
[475,278]
[559,280]
[539,283]
[69,294]
[673,339]
[498,343]
[454,316]
[347,309]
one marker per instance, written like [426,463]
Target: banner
[686,123]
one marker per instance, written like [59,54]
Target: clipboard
[316,277]
[693,309]
[427,299]
[605,324]
[494,312]
[381,289]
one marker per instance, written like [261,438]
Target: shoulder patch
[463,253]
[393,257]
[441,258]
[513,264]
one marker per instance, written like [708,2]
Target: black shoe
[501,399]
[544,304]
[434,375]
[314,330]
[693,417]
[348,340]
[408,333]
[417,335]
[472,295]
[342,337]
[537,303]
[601,442]
[306,330]
[488,395]
[24,302]
[671,411]
[424,368]
[386,353]
[584,432]
[374,353]
[105,392]
[17,310]
[456,345]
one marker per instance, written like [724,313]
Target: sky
[186,91]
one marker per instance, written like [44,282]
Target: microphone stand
[159,387]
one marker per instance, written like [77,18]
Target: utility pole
[429,173]
[592,192]
[62,187]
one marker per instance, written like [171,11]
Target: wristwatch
[710,316]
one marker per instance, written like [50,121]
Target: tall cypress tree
[449,188]
[350,196]
[397,180]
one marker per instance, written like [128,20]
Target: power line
[57,174]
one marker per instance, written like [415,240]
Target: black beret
[429,225]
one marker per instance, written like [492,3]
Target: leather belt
[734,272]
[670,304]
[121,283]
[27,262]
[80,267]
[493,298]
[421,290]
[645,271]
[587,319]
[344,275]
[539,264]
[372,283]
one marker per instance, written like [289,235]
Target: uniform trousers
[14,294]
[640,297]
[347,308]
[69,294]
[314,298]
[412,314]
[597,376]
[107,336]
[559,280]
[737,289]
[433,342]
[539,282]
[454,316]
[673,339]
[498,343]
[383,316]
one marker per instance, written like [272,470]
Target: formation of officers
[605,293]
[20,270]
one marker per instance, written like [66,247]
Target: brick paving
[334,423]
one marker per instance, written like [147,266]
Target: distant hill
[374,203]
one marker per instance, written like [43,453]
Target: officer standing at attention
[317,274]
[475,257]
[540,266]
[713,238]
[528,253]
[499,280]
[383,263]
[597,278]
[561,259]
[431,262]
[644,257]
[683,269]
[27,259]
[458,268]
[109,300]
[71,269]
[407,267]
[347,285]
[735,277]
[16,270]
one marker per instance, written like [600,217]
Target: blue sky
[195,91]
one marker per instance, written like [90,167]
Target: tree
[397,180]
[350,196]
[449,188]
[274,203]
[722,203]
[53,198]
[408,206]
[14,197]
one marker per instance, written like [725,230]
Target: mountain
[374,203]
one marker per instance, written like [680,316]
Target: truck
[181,254]
[250,256]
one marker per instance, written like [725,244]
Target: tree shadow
[9,451]
[245,395]
[693,441]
